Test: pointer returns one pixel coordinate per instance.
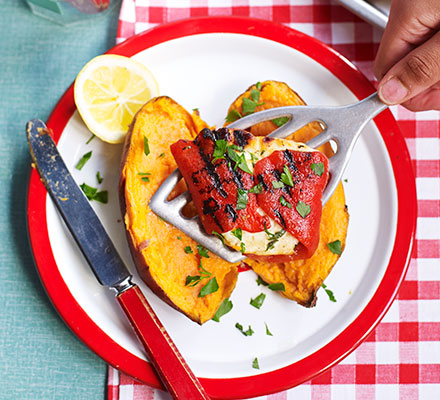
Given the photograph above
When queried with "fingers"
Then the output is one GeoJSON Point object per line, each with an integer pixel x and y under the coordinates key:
{"type": "Point", "coordinates": [409, 25]}
{"type": "Point", "coordinates": [427, 100]}
{"type": "Point", "coordinates": [416, 72]}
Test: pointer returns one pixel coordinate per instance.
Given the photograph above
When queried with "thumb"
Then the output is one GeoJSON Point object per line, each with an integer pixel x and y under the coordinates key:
{"type": "Point", "coordinates": [416, 72]}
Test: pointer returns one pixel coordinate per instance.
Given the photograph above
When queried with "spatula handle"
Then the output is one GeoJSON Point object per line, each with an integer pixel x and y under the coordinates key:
{"type": "Point", "coordinates": [172, 368]}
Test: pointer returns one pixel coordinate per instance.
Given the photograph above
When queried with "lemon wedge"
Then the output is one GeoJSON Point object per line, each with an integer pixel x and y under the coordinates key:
{"type": "Point", "coordinates": [108, 92]}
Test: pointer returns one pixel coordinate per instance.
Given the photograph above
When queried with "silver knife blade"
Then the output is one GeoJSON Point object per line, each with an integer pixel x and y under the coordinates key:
{"type": "Point", "coordinates": [74, 207]}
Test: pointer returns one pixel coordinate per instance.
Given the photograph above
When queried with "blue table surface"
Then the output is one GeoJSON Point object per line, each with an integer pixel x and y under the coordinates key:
{"type": "Point", "coordinates": [40, 358]}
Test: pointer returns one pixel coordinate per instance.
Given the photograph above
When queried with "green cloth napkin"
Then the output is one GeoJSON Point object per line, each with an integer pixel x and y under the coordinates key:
{"type": "Point", "coordinates": [39, 357]}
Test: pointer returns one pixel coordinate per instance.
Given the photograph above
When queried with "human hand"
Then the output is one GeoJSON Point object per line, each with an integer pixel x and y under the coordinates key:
{"type": "Point", "coordinates": [408, 61]}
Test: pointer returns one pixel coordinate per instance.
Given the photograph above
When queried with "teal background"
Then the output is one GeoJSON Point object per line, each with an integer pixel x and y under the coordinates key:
{"type": "Point", "coordinates": [39, 357]}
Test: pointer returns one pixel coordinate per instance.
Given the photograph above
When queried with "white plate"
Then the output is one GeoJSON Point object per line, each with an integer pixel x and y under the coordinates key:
{"type": "Point", "coordinates": [208, 71]}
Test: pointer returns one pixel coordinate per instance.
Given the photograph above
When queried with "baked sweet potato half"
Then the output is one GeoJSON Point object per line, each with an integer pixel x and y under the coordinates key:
{"type": "Point", "coordinates": [301, 278]}
{"type": "Point", "coordinates": [164, 256]}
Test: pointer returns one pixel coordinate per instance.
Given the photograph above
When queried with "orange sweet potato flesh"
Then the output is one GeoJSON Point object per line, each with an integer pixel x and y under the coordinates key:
{"type": "Point", "coordinates": [301, 278]}
{"type": "Point", "coordinates": [156, 246]}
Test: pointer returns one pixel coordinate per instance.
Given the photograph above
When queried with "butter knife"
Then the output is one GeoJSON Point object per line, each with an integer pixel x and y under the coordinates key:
{"type": "Point", "coordinates": [107, 265]}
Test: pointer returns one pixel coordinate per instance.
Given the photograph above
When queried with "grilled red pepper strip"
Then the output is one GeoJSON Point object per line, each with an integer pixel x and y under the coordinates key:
{"type": "Point", "coordinates": [214, 185]}
{"type": "Point", "coordinates": [304, 197]}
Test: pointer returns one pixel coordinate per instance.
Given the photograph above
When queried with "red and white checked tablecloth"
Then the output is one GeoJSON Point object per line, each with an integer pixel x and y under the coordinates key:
{"type": "Point", "coordinates": [401, 358]}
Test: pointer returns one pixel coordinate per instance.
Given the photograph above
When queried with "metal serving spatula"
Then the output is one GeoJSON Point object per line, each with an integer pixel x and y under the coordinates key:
{"type": "Point", "coordinates": [342, 124]}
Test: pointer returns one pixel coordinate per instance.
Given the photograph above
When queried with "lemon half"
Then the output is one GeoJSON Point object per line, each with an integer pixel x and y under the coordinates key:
{"type": "Point", "coordinates": [108, 92]}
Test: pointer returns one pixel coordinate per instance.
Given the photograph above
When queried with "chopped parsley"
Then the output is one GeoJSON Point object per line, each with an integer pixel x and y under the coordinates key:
{"type": "Point", "coordinates": [258, 188]}
{"type": "Point", "coordinates": [303, 209]}
{"type": "Point", "coordinates": [219, 150]}
{"type": "Point", "coordinates": [284, 202]}
{"type": "Point", "coordinates": [224, 308]}
{"type": "Point", "coordinates": [255, 94]}
{"type": "Point", "coordinates": [286, 176]}
{"type": "Point", "coordinates": [146, 146]}
{"type": "Point", "coordinates": [330, 294]}
{"type": "Point", "coordinates": [179, 238]}
{"type": "Point", "coordinates": [248, 332]}
{"type": "Point", "coordinates": [273, 237]}
{"type": "Point", "coordinates": [188, 250]}
{"type": "Point", "coordinates": [99, 178]}
{"type": "Point", "coordinates": [268, 332]}
{"type": "Point", "coordinates": [90, 139]}
{"type": "Point", "coordinates": [93, 194]}
{"type": "Point", "coordinates": [220, 236]}
{"type": "Point", "coordinates": [210, 287]}
{"type": "Point", "coordinates": [84, 159]}
{"type": "Point", "coordinates": [193, 280]}
{"type": "Point", "coordinates": [249, 105]}
{"type": "Point", "coordinates": [346, 180]}
{"type": "Point", "coordinates": [145, 178]}
{"type": "Point", "coordinates": [233, 115]}
{"type": "Point", "coordinates": [161, 155]}
{"type": "Point", "coordinates": [242, 248]}
{"type": "Point", "coordinates": [279, 286]}
{"type": "Point", "coordinates": [242, 199]}
{"type": "Point", "coordinates": [317, 168]}
{"type": "Point", "coordinates": [240, 160]}
{"type": "Point", "coordinates": [280, 121]}
{"type": "Point", "coordinates": [277, 185]}
{"type": "Point", "coordinates": [255, 364]}
{"type": "Point", "coordinates": [258, 301]}
{"type": "Point", "coordinates": [238, 233]}
{"type": "Point", "coordinates": [203, 252]}
{"type": "Point", "coordinates": [258, 85]}
{"type": "Point", "coordinates": [261, 282]}
{"type": "Point", "coordinates": [335, 247]}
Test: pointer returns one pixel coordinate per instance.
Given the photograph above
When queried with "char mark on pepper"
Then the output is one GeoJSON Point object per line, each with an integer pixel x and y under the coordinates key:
{"type": "Point", "coordinates": [241, 138]}
{"type": "Point", "coordinates": [281, 218]}
{"type": "Point", "coordinates": [210, 206]}
{"type": "Point", "coordinates": [229, 210]}
{"type": "Point", "coordinates": [211, 170]}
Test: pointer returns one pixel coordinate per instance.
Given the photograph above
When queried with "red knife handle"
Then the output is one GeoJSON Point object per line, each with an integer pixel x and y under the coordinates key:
{"type": "Point", "coordinates": [172, 368]}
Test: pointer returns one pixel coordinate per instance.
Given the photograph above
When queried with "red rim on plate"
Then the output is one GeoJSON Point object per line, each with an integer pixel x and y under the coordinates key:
{"type": "Point", "coordinates": [314, 364]}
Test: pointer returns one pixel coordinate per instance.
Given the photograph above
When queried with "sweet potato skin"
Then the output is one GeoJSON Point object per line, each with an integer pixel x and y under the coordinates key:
{"type": "Point", "coordinates": [158, 248]}
{"type": "Point", "coordinates": [301, 278]}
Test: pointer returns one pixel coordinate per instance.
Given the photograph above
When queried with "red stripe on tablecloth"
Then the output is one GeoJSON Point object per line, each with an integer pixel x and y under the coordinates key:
{"type": "Point", "coordinates": [428, 208]}
{"type": "Point", "coordinates": [426, 169]}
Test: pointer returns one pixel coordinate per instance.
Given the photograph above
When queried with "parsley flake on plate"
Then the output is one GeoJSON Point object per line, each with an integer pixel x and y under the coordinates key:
{"type": "Point", "coordinates": [83, 160]}
{"type": "Point", "coordinates": [258, 301]}
{"type": "Point", "coordinates": [330, 294]}
{"type": "Point", "coordinates": [249, 332]}
{"type": "Point", "coordinates": [93, 194]}
{"type": "Point", "coordinates": [224, 308]}
{"type": "Point", "coordinates": [255, 364]}
{"type": "Point", "coordinates": [268, 332]}
{"type": "Point", "coordinates": [99, 178]}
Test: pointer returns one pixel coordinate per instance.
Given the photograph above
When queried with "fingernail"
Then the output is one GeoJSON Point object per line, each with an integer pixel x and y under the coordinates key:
{"type": "Point", "coordinates": [393, 91]}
